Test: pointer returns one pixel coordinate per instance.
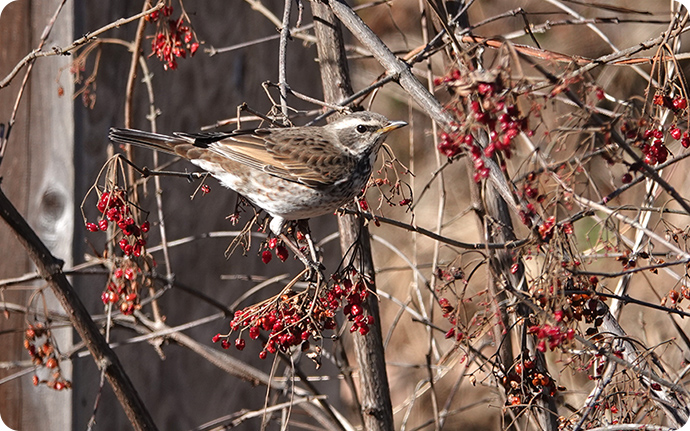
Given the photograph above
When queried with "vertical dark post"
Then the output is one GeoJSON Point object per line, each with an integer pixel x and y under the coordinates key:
{"type": "Point", "coordinates": [376, 408]}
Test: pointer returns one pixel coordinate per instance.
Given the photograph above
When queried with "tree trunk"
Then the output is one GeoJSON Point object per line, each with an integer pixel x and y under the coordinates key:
{"type": "Point", "coordinates": [376, 407]}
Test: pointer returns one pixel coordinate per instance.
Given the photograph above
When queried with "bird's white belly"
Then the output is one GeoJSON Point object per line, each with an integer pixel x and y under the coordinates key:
{"type": "Point", "coordinates": [286, 199]}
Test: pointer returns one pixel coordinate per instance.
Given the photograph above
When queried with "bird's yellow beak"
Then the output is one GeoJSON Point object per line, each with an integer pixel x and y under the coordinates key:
{"type": "Point", "coordinates": [392, 125]}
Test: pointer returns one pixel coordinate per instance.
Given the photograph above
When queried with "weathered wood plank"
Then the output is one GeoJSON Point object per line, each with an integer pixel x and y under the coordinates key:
{"type": "Point", "coordinates": [38, 176]}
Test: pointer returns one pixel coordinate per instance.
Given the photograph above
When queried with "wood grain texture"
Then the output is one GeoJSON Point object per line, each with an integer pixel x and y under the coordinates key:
{"type": "Point", "coordinates": [38, 175]}
{"type": "Point", "coordinates": [14, 44]}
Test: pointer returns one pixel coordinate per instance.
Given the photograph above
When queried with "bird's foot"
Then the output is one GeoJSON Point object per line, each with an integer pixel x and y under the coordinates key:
{"type": "Point", "coordinates": [313, 269]}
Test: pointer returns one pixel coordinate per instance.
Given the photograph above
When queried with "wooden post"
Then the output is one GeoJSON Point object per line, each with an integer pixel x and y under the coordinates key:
{"type": "Point", "coordinates": [38, 175]}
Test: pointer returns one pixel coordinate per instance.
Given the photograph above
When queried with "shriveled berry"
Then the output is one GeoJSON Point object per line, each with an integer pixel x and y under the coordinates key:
{"type": "Point", "coordinates": [282, 253]}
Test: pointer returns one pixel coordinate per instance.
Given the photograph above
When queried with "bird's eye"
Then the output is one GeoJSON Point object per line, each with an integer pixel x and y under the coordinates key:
{"type": "Point", "coordinates": [361, 128]}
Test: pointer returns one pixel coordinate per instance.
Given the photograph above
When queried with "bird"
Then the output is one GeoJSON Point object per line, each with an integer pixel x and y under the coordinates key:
{"type": "Point", "coordinates": [292, 173]}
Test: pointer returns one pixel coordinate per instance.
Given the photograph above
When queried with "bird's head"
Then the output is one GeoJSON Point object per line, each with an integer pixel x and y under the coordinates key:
{"type": "Point", "coordinates": [362, 133]}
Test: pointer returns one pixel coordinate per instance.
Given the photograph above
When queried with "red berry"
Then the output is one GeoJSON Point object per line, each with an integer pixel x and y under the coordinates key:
{"type": "Point", "coordinates": [680, 103]}
{"type": "Point", "coordinates": [272, 243]}
{"type": "Point", "coordinates": [215, 338]}
{"type": "Point", "coordinates": [262, 354]}
{"type": "Point", "coordinates": [92, 227]}
{"type": "Point", "coordinates": [266, 256]}
{"type": "Point", "coordinates": [103, 224]}
{"type": "Point", "coordinates": [627, 178]}
{"type": "Point", "coordinates": [675, 132]}
{"type": "Point", "coordinates": [145, 226]}
{"type": "Point", "coordinates": [282, 253]}
{"type": "Point", "coordinates": [240, 344]}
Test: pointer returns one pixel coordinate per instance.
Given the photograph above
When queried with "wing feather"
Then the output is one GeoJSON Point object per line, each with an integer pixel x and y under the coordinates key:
{"type": "Point", "coordinates": [299, 155]}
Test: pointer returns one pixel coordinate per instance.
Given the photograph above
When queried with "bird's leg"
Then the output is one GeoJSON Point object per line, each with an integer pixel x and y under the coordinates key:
{"type": "Point", "coordinates": [313, 266]}
{"type": "Point", "coordinates": [303, 226]}
{"type": "Point", "coordinates": [276, 225]}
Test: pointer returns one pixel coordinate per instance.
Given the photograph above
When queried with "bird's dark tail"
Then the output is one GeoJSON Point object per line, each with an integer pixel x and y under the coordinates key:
{"type": "Point", "coordinates": [149, 140]}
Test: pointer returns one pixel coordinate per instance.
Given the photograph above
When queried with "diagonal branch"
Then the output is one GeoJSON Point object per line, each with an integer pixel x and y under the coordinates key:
{"type": "Point", "coordinates": [50, 269]}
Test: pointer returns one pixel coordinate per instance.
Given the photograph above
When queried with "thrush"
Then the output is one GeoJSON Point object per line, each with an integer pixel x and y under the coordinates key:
{"type": "Point", "coordinates": [291, 173]}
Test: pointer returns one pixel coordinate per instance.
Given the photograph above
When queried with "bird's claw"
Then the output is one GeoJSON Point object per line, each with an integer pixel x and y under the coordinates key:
{"type": "Point", "coordinates": [313, 271]}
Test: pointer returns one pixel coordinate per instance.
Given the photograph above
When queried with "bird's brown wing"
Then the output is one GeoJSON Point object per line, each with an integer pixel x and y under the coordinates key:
{"type": "Point", "coordinates": [304, 156]}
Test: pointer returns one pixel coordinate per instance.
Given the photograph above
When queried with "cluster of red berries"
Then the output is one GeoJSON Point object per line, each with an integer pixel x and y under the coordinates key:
{"type": "Point", "coordinates": [290, 319]}
{"type": "Point", "coordinates": [656, 152]}
{"type": "Point", "coordinates": [449, 313]}
{"type": "Point", "coordinates": [38, 342]}
{"type": "Point", "coordinates": [126, 279]}
{"type": "Point", "coordinates": [652, 139]}
{"type": "Point", "coordinates": [554, 335]}
{"type": "Point", "coordinates": [546, 228]}
{"type": "Point", "coordinates": [286, 320]}
{"type": "Point", "coordinates": [538, 381]}
{"type": "Point", "coordinates": [173, 38]}
{"type": "Point", "coordinates": [584, 307]}
{"type": "Point", "coordinates": [491, 112]}
{"type": "Point", "coordinates": [279, 249]}
{"type": "Point", "coordinates": [676, 297]}
{"type": "Point", "coordinates": [115, 208]}
{"type": "Point", "coordinates": [530, 192]}
{"type": "Point", "coordinates": [676, 104]}
{"type": "Point", "coordinates": [123, 287]}
{"type": "Point", "coordinates": [353, 296]}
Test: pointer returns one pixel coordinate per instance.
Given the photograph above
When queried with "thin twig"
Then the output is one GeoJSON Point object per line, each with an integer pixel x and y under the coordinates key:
{"type": "Point", "coordinates": [37, 53]}
{"type": "Point", "coordinates": [282, 57]}
{"type": "Point", "coordinates": [4, 137]}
